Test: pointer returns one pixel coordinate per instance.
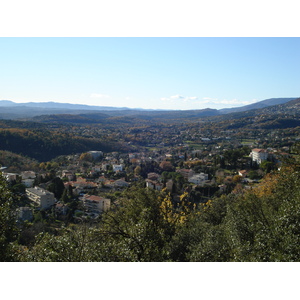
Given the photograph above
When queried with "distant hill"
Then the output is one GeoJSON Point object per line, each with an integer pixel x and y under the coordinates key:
{"type": "Point", "coordinates": [291, 107]}
{"type": "Point", "coordinates": [58, 105]}
{"type": "Point", "coordinates": [286, 115]}
{"type": "Point", "coordinates": [257, 105]}
{"type": "Point", "coordinates": [280, 115]}
{"type": "Point", "coordinates": [12, 110]}
{"type": "Point", "coordinates": [49, 136]}
{"type": "Point", "coordinates": [88, 113]}
{"type": "Point", "coordinates": [128, 117]}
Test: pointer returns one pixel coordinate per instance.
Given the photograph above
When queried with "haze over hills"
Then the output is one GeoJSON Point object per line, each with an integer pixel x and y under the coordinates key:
{"type": "Point", "coordinates": [36, 106]}
{"type": "Point", "coordinates": [12, 110]}
{"type": "Point", "coordinates": [58, 105]}
{"type": "Point", "coordinates": [280, 115]}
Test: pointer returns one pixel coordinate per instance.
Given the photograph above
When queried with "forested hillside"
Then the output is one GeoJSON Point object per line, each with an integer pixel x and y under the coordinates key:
{"type": "Point", "coordinates": [42, 144]}
{"type": "Point", "coordinates": [17, 162]}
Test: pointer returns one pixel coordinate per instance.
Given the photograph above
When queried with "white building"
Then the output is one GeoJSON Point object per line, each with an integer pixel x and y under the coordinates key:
{"type": "Point", "coordinates": [43, 198]}
{"type": "Point", "coordinates": [153, 184]}
{"type": "Point", "coordinates": [117, 168]}
{"type": "Point", "coordinates": [198, 178]}
{"type": "Point", "coordinates": [28, 182]}
{"type": "Point", "coordinates": [11, 176]}
{"type": "Point", "coordinates": [150, 184]}
{"type": "Point", "coordinates": [259, 155]}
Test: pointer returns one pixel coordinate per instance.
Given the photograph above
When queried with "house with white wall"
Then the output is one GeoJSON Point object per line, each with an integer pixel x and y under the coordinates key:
{"type": "Point", "coordinates": [153, 184]}
{"type": "Point", "coordinates": [117, 168]}
{"type": "Point", "coordinates": [95, 204]}
{"type": "Point", "coordinates": [259, 155]}
{"type": "Point", "coordinates": [28, 182]}
{"type": "Point", "coordinates": [198, 178]}
{"type": "Point", "coordinates": [43, 198]}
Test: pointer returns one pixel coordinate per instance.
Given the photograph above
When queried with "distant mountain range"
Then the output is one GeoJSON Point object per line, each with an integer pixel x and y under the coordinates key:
{"type": "Point", "coordinates": [58, 105]}
{"type": "Point", "coordinates": [12, 110]}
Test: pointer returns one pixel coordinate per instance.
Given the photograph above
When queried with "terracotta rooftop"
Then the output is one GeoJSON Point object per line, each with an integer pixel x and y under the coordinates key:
{"type": "Point", "coordinates": [93, 198]}
{"type": "Point", "coordinates": [259, 150]}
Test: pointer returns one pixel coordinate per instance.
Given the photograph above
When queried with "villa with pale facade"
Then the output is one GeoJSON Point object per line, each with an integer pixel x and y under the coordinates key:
{"type": "Point", "coordinates": [259, 155]}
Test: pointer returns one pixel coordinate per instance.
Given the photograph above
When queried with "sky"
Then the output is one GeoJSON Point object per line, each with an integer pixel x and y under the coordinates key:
{"type": "Point", "coordinates": [149, 72]}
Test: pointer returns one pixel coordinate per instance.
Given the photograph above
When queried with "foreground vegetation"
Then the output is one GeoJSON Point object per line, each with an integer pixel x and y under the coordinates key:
{"type": "Point", "coordinates": [262, 224]}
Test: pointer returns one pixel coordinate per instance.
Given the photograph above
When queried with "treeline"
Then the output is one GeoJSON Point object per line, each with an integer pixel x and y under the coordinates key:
{"type": "Point", "coordinates": [44, 145]}
{"type": "Point", "coordinates": [262, 224]}
{"type": "Point", "coordinates": [15, 162]}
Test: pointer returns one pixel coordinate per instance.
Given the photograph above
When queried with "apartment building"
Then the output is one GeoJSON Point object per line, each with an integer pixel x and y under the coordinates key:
{"type": "Point", "coordinates": [95, 204]}
{"type": "Point", "coordinates": [259, 155]}
{"type": "Point", "coordinates": [43, 198]}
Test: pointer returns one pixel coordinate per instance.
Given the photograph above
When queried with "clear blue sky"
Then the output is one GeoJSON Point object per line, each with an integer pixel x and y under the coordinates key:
{"type": "Point", "coordinates": [167, 73]}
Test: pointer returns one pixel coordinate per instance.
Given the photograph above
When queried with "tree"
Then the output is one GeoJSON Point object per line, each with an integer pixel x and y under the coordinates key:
{"type": "Point", "coordinates": [253, 175]}
{"type": "Point", "coordinates": [136, 229]}
{"type": "Point", "coordinates": [18, 188]}
{"type": "Point", "coordinates": [237, 178]}
{"type": "Point", "coordinates": [86, 157]}
{"type": "Point", "coordinates": [64, 198]}
{"type": "Point", "coordinates": [137, 170]}
{"type": "Point", "coordinates": [57, 187]}
{"type": "Point", "coordinates": [263, 224]}
{"type": "Point", "coordinates": [73, 244]}
{"type": "Point", "coordinates": [166, 166]}
{"type": "Point", "coordinates": [267, 166]}
{"type": "Point", "coordinates": [8, 229]}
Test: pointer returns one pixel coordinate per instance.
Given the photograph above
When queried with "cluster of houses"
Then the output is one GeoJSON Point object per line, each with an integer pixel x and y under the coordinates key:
{"type": "Point", "coordinates": [92, 205]}
{"type": "Point", "coordinates": [27, 177]}
{"type": "Point", "coordinates": [95, 205]}
{"type": "Point", "coordinates": [153, 182]}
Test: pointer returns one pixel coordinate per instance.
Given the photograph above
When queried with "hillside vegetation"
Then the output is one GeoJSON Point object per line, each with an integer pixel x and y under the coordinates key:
{"type": "Point", "coordinates": [43, 144]}
{"type": "Point", "coordinates": [262, 224]}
